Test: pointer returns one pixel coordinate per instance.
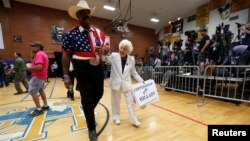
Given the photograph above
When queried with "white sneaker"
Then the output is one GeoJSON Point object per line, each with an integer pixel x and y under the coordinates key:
{"type": "Point", "coordinates": [137, 124]}
{"type": "Point", "coordinates": [117, 121]}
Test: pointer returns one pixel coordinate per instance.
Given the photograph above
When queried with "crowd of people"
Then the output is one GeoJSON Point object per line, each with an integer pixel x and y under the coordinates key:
{"type": "Point", "coordinates": [207, 50]}
{"type": "Point", "coordinates": [217, 50]}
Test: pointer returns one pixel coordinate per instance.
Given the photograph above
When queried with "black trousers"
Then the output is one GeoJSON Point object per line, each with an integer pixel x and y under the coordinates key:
{"type": "Point", "coordinates": [70, 93]}
{"type": "Point", "coordinates": [90, 80]}
{"type": "Point", "coordinates": [72, 77]}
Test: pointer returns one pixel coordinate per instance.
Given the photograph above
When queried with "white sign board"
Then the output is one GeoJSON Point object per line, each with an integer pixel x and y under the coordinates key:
{"type": "Point", "coordinates": [145, 93]}
{"type": "Point", "coordinates": [1, 38]}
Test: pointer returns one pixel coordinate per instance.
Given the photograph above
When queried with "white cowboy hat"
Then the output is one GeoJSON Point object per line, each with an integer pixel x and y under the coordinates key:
{"type": "Point", "coordinates": [81, 5]}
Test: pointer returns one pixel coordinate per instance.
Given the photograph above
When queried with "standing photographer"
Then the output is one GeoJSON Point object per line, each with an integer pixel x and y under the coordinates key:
{"type": "Point", "coordinates": [189, 53]}
{"type": "Point", "coordinates": [203, 48]}
{"type": "Point", "coordinates": [178, 51]}
{"type": "Point", "coordinates": [191, 47]}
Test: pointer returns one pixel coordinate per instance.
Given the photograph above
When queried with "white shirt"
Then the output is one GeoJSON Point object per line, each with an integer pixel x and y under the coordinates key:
{"type": "Point", "coordinates": [157, 62]}
{"type": "Point", "coordinates": [54, 66]}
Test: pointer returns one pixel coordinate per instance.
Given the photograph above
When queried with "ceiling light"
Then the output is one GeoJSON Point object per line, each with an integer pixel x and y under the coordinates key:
{"type": "Point", "coordinates": [169, 22]}
{"type": "Point", "coordinates": [108, 7]}
{"type": "Point", "coordinates": [154, 20]}
{"type": "Point", "coordinates": [179, 18]}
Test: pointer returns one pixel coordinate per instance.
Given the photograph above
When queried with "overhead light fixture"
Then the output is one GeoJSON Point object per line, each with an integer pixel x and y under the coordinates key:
{"type": "Point", "coordinates": [179, 18]}
{"type": "Point", "coordinates": [154, 20]}
{"type": "Point", "coordinates": [170, 22]}
{"type": "Point", "coordinates": [108, 7]}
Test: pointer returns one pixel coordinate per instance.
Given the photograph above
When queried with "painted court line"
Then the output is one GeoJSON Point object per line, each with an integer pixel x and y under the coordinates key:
{"type": "Point", "coordinates": [181, 115]}
{"type": "Point", "coordinates": [51, 93]}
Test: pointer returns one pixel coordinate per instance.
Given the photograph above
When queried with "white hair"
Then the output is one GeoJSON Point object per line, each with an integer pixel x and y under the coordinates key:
{"type": "Point", "coordinates": [127, 43]}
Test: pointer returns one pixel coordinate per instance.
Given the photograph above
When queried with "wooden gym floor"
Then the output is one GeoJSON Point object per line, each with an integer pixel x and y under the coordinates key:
{"type": "Point", "coordinates": [170, 119]}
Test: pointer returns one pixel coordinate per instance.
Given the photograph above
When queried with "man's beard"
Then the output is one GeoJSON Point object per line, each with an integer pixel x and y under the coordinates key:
{"type": "Point", "coordinates": [85, 23]}
{"type": "Point", "coordinates": [86, 17]}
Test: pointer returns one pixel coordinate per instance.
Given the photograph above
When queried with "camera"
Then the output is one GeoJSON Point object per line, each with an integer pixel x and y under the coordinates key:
{"type": "Point", "coordinates": [218, 30]}
{"type": "Point", "coordinates": [223, 27]}
{"type": "Point", "coordinates": [239, 25]}
{"type": "Point", "coordinates": [177, 45]}
{"type": "Point", "coordinates": [192, 35]}
{"type": "Point", "coordinates": [159, 43]}
{"type": "Point", "coordinates": [168, 44]}
{"type": "Point", "coordinates": [226, 28]}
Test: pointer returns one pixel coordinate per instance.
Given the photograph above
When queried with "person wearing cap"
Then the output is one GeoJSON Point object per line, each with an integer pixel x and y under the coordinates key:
{"type": "Point", "coordinates": [203, 48]}
{"type": "Point", "coordinates": [20, 74]}
{"type": "Point", "coordinates": [82, 42]}
{"type": "Point", "coordinates": [39, 69]}
{"type": "Point", "coordinates": [122, 67]}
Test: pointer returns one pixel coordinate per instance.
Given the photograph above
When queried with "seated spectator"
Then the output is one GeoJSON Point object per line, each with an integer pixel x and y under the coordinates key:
{"type": "Point", "coordinates": [141, 62]}
{"type": "Point", "coordinates": [169, 73]}
{"type": "Point", "coordinates": [157, 62]}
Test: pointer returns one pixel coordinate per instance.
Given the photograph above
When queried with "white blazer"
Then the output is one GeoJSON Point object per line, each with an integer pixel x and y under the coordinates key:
{"type": "Point", "coordinates": [119, 80]}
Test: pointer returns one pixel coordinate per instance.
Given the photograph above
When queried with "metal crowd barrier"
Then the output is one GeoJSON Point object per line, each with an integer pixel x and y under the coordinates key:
{"type": "Point", "coordinates": [223, 82]}
{"type": "Point", "coordinates": [179, 78]}
{"type": "Point", "coordinates": [145, 72]}
{"type": "Point", "coordinates": [227, 82]}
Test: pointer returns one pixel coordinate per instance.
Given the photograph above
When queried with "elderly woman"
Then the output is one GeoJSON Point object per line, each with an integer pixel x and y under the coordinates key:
{"type": "Point", "coordinates": [122, 67]}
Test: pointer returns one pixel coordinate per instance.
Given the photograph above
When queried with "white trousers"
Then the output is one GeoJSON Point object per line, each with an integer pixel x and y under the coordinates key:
{"type": "Point", "coordinates": [115, 103]}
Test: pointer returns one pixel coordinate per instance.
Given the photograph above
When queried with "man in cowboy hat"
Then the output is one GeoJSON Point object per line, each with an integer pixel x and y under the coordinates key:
{"type": "Point", "coordinates": [80, 45]}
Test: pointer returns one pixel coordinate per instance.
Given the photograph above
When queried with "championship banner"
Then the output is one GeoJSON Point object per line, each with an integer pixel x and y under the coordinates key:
{"type": "Point", "coordinates": [145, 93]}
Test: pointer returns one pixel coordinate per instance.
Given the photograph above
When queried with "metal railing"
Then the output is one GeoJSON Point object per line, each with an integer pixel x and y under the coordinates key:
{"type": "Point", "coordinates": [145, 72]}
{"type": "Point", "coordinates": [227, 82]}
{"type": "Point", "coordinates": [223, 82]}
{"type": "Point", "coordinates": [179, 78]}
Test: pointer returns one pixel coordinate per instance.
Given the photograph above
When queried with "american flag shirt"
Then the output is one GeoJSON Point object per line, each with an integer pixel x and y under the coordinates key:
{"type": "Point", "coordinates": [81, 42]}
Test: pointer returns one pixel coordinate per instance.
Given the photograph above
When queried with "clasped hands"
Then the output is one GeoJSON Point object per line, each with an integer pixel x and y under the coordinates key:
{"type": "Point", "coordinates": [102, 50]}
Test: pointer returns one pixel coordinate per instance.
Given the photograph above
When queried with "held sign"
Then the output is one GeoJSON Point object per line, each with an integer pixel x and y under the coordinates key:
{"type": "Point", "coordinates": [145, 93]}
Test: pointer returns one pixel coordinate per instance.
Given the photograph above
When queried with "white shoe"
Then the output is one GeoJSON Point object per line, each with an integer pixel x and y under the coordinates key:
{"type": "Point", "coordinates": [137, 124]}
{"type": "Point", "coordinates": [117, 121]}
